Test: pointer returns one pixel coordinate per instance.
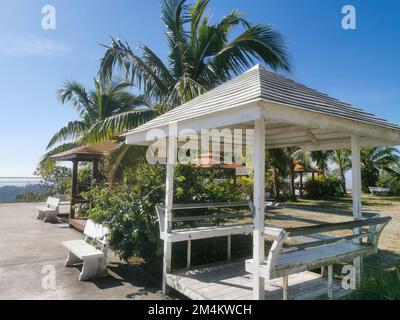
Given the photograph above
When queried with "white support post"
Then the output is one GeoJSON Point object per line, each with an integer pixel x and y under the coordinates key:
{"type": "Point", "coordinates": [285, 287]}
{"type": "Point", "coordinates": [330, 282]}
{"type": "Point", "coordinates": [356, 191]}
{"type": "Point", "coordinates": [169, 197]}
{"type": "Point", "coordinates": [189, 254]}
{"type": "Point", "coordinates": [258, 220]}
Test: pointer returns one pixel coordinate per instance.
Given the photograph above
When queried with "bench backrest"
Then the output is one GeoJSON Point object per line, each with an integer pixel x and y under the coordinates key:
{"type": "Point", "coordinates": [97, 232]}
{"type": "Point", "coordinates": [52, 202]}
{"type": "Point", "coordinates": [161, 218]}
{"type": "Point", "coordinates": [378, 189]}
{"type": "Point", "coordinates": [368, 229]}
{"type": "Point", "coordinates": [160, 209]}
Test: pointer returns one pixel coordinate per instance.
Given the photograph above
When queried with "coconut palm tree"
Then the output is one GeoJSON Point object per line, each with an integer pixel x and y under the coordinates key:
{"type": "Point", "coordinates": [375, 161]}
{"type": "Point", "coordinates": [201, 55]}
{"type": "Point", "coordinates": [282, 162]}
{"type": "Point", "coordinates": [321, 158]}
{"type": "Point", "coordinates": [342, 158]}
{"type": "Point", "coordinates": [104, 113]}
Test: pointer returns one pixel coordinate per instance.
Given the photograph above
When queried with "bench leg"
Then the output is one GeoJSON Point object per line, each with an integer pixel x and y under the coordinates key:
{"type": "Point", "coordinates": [41, 215]}
{"type": "Point", "coordinates": [285, 287]}
{"type": "Point", "coordinates": [50, 216]}
{"type": "Point", "coordinates": [330, 282]}
{"type": "Point", "coordinates": [89, 270]}
{"type": "Point", "coordinates": [102, 271]}
{"type": "Point", "coordinates": [166, 265]}
{"type": "Point", "coordinates": [229, 246]}
{"type": "Point", "coordinates": [357, 263]}
{"type": "Point", "coordinates": [189, 254]}
{"type": "Point", "coordinates": [71, 260]}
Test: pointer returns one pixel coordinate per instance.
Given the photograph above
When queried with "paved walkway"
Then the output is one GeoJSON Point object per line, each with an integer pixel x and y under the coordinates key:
{"type": "Point", "coordinates": [31, 250]}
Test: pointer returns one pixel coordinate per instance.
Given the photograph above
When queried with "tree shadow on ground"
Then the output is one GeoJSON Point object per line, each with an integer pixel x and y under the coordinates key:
{"type": "Point", "coordinates": [105, 282]}
{"type": "Point", "coordinates": [137, 277]}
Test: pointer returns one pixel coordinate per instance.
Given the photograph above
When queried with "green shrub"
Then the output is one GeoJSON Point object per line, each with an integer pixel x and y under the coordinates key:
{"type": "Point", "coordinates": [388, 181]}
{"type": "Point", "coordinates": [382, 285]}
{"type": "Point", "coordinates": [129, 211]}
{"type": "Point", "coordinates": [323, 186]}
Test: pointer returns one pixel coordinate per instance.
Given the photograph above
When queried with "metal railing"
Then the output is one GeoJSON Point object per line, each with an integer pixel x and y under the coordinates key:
{"type": "Point", "coordinates": [25, 189]}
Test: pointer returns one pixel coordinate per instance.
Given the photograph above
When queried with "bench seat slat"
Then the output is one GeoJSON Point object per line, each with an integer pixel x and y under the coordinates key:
{"type": "Point", "coordinates": [82, 250]}
{"type": "Point", "coordinates": [327, 252]}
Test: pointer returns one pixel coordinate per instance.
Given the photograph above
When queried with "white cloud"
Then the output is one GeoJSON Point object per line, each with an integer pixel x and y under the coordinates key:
{"type": "Point", "coordinates": [22, 45]}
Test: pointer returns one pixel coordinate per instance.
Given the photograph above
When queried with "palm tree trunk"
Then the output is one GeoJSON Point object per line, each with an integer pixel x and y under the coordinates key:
{"type": "Point", "coordinates": [343, 177]}
{"type": "Point", "coordinates": [292, 183]}
{"type": "Point", "coordinates": [275, 185]}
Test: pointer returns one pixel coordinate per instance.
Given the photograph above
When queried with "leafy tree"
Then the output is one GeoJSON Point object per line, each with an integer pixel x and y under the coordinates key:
{"type": "Point", "coordinates": [321, 158]}
{"type": "Point", "coordinates": [375, 161]}
{"type": "Point", "coordinates": [342, 158]}
{"type": "Point", "coordinates": [281, 161]}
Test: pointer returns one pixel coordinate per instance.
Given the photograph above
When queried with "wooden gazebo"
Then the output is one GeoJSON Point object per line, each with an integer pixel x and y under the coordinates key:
{"type": "Point", "coordinates": [93, 154]}
{"type": "Point", "coordinates": [300, 169]}
{"type": "Point", "coordinates": [215, 161]}
{"type": "Point", "coordinates": [280, 113]}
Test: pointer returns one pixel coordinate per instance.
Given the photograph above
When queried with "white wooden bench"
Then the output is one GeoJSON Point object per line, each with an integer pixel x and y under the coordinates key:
{"type": "Point", "coordinates": [273, 205]}
{"type": "Point", "coordinates": [48, 213]}
{"type": "Point", "coordinates": [375, 190]}
{"type": "Point", "coordinates": [92, 252]}
{"type": "Point", "coordinates": [286, 259]}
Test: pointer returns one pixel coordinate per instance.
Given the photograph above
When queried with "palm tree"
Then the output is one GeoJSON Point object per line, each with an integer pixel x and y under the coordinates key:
{"type": "Point", "coordinates": [201, 55]}
{"type": "Point", "coordinates": [104, 113]}
{"type": "Point", "coordinates": [282, 161]}
{"type": "Point", "coordinates": [342, 158]}
{"type": "Point", "coordinates": [375, 161]}
{"type": "Point", "coordinates": [321, 159]}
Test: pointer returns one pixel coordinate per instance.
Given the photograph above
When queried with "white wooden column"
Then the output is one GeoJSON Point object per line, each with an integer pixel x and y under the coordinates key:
{"type": "Point", "coordinates": [258, 220]}
{"type": "Point", "coordinates": [169, 197]}
{"type": "Point", "coordinates": [356, 192]}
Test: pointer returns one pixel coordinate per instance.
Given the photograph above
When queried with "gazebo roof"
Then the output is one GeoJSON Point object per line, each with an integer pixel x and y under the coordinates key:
{"type": "Point", "coordinates": [205, 161]}
{"type": "Point", "coordinates": [86, 153]}
{"type": "Point", "coordinates": [295, 114]}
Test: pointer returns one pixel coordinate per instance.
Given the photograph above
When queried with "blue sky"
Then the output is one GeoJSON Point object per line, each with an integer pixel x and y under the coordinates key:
{"type": "Point", "coordinates": [358, 66]}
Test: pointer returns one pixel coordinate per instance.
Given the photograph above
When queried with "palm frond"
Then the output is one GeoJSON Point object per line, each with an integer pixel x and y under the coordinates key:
{"type": "Point", "coordinates": [72, 130]}
{"type": "Point", "coordinates": [46, 165]}
{"type": "Point", "coordinates": [75, 93]}
{"type": "Point", "coordinates": [111, 127]}
{"type": "Point", "coordinates": [174, 14]}
{"type": "Point", "coordinates": [259, 42]}
{"type": "Point", "coordinates": [124, 157]}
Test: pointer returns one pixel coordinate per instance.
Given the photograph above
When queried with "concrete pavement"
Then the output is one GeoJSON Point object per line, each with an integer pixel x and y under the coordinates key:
{"type": "Point", "coordinates": [31, 252]}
